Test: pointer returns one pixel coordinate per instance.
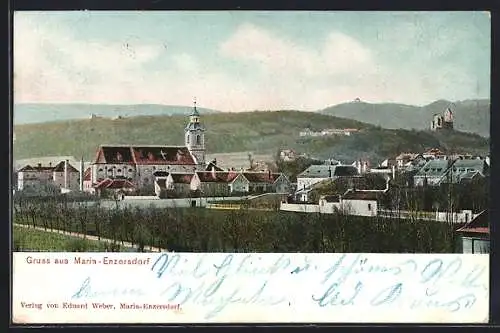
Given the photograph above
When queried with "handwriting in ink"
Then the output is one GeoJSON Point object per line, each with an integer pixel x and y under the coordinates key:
{"type": "Point", "coordinates": [334, 295]}
{"type": "Point", "coordinates": [218, 295]}
{"type": "Point", "coordinates": [250, 266]}
{"type": "Point", "coordinates": [86, 291]}
{"type": "Point", "coordinates": [170, 265]}
{"type": "Point", "coordinates": [387, 295]}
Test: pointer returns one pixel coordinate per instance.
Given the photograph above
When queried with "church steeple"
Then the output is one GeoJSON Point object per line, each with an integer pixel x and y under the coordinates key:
{"type": "Point", "coordinates": [195, 136]}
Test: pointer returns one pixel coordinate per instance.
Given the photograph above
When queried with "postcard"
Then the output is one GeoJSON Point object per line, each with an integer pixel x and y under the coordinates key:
{"type": "Point", "coordinates": [250, 167]}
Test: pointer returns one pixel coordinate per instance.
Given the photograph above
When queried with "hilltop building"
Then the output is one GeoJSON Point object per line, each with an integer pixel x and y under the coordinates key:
{"type": "Point", "coordinates": [442, 121]}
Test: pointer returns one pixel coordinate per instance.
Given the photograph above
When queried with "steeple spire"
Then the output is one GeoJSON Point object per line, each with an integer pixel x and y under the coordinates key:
{"type": "Point", "coordinates": [195, 111]}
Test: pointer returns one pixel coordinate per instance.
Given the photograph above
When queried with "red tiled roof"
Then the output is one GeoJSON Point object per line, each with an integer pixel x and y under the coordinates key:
{"type": "Point", "coordinates": [163, 155]}
{"type": "Point", "coordinates": [114, 184]}
{"type": "Point", "coordinates": [261, 177]}
{"type": "Point", "coordinates": [216, 177]}
{"type": "Point", "coordinates": [112, 154]}
{"type": "Point", "coordinates": [157, 155]}
{"type": "Point", "coordinates": [480, 224]}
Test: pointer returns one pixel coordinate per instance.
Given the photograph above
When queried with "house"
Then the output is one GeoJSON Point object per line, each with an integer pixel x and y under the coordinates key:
{"type": "Point", "coordinates": [168, 185]}
{"type": "Point", "coordinates": [434, 153]}
{"type": "Point", "coordinates": [54, 178]}
{"type": "Point", "coordinates": [329, 204]}
{"type": "Point", "coordinates": [475, 235]}
{"type": "Point", "coordinates": [288, 155]}
{"type": "Point", "coordinates": [404, 158]}
{"type": "Point", "coordinates": [468, 169]}
{"type": "Point", "coordinates": [265, 182]}
{"type": "Point", "coordinates": [317, 173]}
{"type": "Point", "coordinates": [433, 173]}
{"type": "Point", "coordinates": [360, 203]}
{"type": "Point", "coordinates": [213, 183]}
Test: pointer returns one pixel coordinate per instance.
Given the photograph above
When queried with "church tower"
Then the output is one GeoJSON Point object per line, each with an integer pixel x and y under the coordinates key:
{"type": "Point", "coordinates": [195, 136]}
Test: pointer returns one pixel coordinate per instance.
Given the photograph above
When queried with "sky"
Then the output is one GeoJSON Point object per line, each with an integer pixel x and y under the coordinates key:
{"type": "Point", "coordinates": [250, 60]}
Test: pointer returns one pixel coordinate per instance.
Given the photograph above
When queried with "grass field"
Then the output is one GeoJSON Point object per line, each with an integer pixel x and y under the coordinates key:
{"type": "Point", "coordinates": [25, 239]}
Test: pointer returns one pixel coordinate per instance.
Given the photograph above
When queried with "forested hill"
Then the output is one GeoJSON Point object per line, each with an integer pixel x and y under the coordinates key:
{"type": "Point", "coordinates": [258, 132]}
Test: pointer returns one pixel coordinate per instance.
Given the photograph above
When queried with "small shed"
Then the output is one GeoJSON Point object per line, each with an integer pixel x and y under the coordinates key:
{"type": "Point", "coordinates": [475, 235]}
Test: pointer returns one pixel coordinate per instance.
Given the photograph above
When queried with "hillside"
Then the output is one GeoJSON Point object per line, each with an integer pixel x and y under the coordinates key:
{"type": "Point", "coordinates": [470, 116]}
{"type": "Point", "coordinates": [258, 132]}
{"type": "Point", "coordinates": [30, 113]}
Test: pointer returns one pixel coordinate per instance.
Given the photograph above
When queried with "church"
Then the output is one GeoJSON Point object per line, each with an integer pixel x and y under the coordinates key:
{"type": "Point", "coordinates": [134, 166]}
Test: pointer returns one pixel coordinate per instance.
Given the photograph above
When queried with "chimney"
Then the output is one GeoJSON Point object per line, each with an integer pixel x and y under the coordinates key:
{"type": "Point", "coordinates": [81, 174]}
{"type": "Point", "coordinates": [329, 172]}
{"type": "Point", "coordinates": [215, 161]}
{"type": "Point", "coordinates": [393, 172]}
{"type": "Point", "coordinates": [39, 165]}
{"type": "Point", "coordinates": [358, 166]}
{"type": "Point", "coordinates": [66, 162]}
{"type": "Point", "coordinates": [50, 164]}
{"type": "Point", "coordinates": [269, 172]}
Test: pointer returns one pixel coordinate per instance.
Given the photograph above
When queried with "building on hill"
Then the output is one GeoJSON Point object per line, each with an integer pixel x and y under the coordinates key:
{"type": "Point", "coordinates": [442, 121]}
{"type": "Point", "coordinates": [60, 177]}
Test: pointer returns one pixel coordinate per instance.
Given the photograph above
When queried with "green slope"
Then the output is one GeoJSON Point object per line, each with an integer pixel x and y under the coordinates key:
{"type": "Point", "coordinates": [470, 115]}
{"type": "Point", "coordinates": [259, 132]}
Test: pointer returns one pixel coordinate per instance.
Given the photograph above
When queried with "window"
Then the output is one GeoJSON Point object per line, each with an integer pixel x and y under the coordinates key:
{"type": "Point", "coordinates": [100, 169]}
{"type": "Point", "coordinates": [198, 139]}
{"type": "Point", "coordinates": [369, 206]}
{"type": "Point", "coordinates": [119, 170]}
{"type": "Point", "coordinates": [130, 170]}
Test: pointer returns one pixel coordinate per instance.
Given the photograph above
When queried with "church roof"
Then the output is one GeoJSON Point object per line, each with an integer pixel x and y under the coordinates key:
{"type": "Point", "coordinates": [144, 155]}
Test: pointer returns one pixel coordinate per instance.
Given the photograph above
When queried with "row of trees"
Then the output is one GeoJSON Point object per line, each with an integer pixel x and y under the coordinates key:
{"type": "Point", "coordinates": [205, 230]}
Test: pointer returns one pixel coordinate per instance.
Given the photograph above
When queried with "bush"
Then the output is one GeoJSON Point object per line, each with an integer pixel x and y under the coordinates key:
{"type": "Point", "coordinates": [77, 245]}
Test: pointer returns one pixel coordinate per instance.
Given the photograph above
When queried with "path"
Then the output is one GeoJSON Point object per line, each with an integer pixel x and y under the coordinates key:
{"type": "Point", "coordinates": [90, 237]}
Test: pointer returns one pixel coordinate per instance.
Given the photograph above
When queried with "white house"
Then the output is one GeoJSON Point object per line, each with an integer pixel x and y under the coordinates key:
{"type": "Point", "coordinates": [361, 203]}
